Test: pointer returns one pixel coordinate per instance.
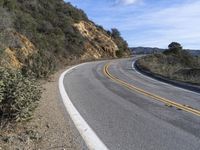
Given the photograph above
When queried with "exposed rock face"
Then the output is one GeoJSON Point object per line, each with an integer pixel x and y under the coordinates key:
{"type": "Point", "coordinates": [18, 47]}
{"type": "Point", "coordinates": [10, 59]}
{"type": "Point", "coordinates": [61, 33]}
{"type": "Point", "coordinates": [15, 50]}
{"type": "Point", "coordinates": [98, 44]}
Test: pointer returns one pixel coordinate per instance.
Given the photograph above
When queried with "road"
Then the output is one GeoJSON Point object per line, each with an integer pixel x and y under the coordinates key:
{"type": "Point", "coordinates": [127, 119]}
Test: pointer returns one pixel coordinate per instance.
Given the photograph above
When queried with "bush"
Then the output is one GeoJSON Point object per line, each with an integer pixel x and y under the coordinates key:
{"type": "Point", "coordinates": [10, 4]}
{"type": "Point", "coordinates": [173, 48]}
{"type": "Point", "coordinates": [40, 65]}
{"type": "Point", "coordinates": [120, 42]}
{"type": "Point", "coordinates": [5, 19]}
{"type": "Point", "coordinates": [18, 96]}
{"type": "Point", "coordinates": [119, 53]}
{"type": "Point", "coordinates": [2, 89]}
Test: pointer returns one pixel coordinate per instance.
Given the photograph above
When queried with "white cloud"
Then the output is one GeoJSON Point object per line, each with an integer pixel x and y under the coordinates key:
{"type": "Point", "coordinates": [158, 27]}
{"type": "Point", "coordinates": [126, 2]}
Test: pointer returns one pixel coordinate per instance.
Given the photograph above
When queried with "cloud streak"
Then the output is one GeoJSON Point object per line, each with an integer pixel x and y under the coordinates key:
{"type": "Point", "coordinates": [177, 23]}
{"type": "Point", "coordinates": [126, 2]}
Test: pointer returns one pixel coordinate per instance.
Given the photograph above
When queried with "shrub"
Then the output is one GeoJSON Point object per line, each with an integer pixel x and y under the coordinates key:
{"type": "Point", "coordinates": [174, 45]}
{"type": "Point", "coordinates": [5, 19]}
{"type": "Point", "coordinates": [120, 42]}
{"type": "Point", "coordinates": [39, 65]}
{"type": "Point", "coordinates": [119, 53]}
{"type": "Point", "coordinates": [173, 48]}
{"type": "Point", "coordinates": [2, 89]}
{"type": "Point", "coordinates": [18, 96]}
{"type": "Point", "coordinates": [10, 4]}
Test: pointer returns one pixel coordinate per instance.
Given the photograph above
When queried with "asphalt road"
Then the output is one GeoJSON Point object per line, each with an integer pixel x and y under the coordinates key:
{"type": "Point", "coordinates": [126, 119]}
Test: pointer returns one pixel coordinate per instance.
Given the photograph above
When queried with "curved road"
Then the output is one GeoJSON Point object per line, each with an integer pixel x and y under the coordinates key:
{"type": "Point", "coordinates": [127, 119]}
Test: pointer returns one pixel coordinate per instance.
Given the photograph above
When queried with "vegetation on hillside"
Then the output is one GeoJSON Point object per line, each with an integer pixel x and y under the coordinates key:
{"type": "Point", "coordinates": [121, 43]}
{"type": "Point", "coordinates": [174, 63]}
{"type": "Point", "coordinates": [48, 24]}
{"type": "Point", "coordinates": [36, 37]}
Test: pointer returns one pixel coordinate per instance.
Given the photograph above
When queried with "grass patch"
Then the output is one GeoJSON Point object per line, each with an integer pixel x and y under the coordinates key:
{"type": "Point", "coordinates": [177, 65]}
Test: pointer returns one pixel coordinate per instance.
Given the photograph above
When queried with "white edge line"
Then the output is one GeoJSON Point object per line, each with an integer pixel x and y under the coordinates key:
{"type": "Point", "coordinates": [89, 136]}
{"type": "Point", "coordinates": [133, 64]}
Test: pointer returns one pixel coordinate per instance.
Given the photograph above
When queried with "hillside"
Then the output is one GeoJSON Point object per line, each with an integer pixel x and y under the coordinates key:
{"type": "Point", "coordinates": [173, 63]}
{"type": "Point", "coordinates": [151, 50]}
{"type": "Point", "coordinates": [38, 36]}
{"type": "Point", "coordinates": [145, 50]}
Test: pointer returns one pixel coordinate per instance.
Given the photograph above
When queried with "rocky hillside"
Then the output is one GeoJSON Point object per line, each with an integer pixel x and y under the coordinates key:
{"type": "Point", "coordinates": [99, 44]}
{"type": "Point", "coordinates": [11, 55]}
{"type": "Point", "coordinates": [37, 36]}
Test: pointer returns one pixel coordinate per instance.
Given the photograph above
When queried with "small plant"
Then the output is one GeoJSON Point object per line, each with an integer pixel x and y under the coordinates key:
{"type": "Point", "coordinates": [39, 65]}
{"type": "Point", "coordinates": [18, 96]}
{"type": "Point", "coordinates": [10, 4]}
{"type": "Point", "coordinates": [119, 53]}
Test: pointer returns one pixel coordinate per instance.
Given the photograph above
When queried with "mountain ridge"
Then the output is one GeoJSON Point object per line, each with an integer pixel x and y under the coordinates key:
{"type": "Point", "coordinates": [150, 50]}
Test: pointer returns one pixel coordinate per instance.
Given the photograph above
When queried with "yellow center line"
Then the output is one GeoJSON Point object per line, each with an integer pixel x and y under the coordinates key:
{"type": "Point", "coordinates": [143, 92]}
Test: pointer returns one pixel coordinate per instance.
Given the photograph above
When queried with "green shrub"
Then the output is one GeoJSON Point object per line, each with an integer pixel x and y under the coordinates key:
{"type": "Point", "coordinates": [119, 53]}
{"type": "Point", "coordinates": [120, 42]}
{"type": "Point", "coordinates": [10, 4]}
{"type": "Point", "coordinates": [18, 96]}
{"type": "Point", "coordinates": [2, 89]}
{"type": "Point", "coordinates": [40, 65]}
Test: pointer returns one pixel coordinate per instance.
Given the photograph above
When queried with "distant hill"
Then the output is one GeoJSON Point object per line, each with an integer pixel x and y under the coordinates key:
{"type": "Point", "coordinates": [194, 52]}
{"type": "Point", "coordinates": [151, 50]}
{"type": "Point", "coordinates": [146, 50]}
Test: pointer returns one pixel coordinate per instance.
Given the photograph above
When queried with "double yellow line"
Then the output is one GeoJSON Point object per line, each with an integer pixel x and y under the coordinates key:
{"type": "Point", "coordinates": [153, 96]}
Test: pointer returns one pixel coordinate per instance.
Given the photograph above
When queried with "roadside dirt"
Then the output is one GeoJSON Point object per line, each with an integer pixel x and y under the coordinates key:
{"type": "Point", "coordinates": [50, 129]}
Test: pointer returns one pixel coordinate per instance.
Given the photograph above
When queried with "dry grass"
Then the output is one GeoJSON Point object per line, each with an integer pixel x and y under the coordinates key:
{"type": "Point", "coordinates": [172, 67]}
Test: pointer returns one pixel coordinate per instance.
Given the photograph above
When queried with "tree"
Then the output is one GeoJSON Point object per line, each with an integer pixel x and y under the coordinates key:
{"type": "Point", "coordinates": [115, 33]}
{"type": "Point", "coordinates": [109, 33]}
{"type": "Point", "coordinates": [120, 42]}
{"type": "Point", "coordinates": [175, 46]}
{"type": "Point", "coordinates": [182, 56]}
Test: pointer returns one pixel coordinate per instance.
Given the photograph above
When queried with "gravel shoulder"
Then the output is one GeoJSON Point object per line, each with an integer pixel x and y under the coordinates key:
{"type": "Point", "coordinates": [50, 128]}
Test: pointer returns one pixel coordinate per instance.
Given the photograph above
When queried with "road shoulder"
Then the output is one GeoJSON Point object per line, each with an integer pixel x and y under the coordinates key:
{"type": "Point", "coordinates": [50, 128]}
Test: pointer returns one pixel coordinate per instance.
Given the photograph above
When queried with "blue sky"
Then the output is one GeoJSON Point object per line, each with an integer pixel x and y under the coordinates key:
{"type": "Point", "coordinates": [153, 23]}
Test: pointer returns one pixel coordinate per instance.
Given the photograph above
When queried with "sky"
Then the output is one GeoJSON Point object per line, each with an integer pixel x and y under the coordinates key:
{"type": "Point", "coordinates": [153, 23]}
